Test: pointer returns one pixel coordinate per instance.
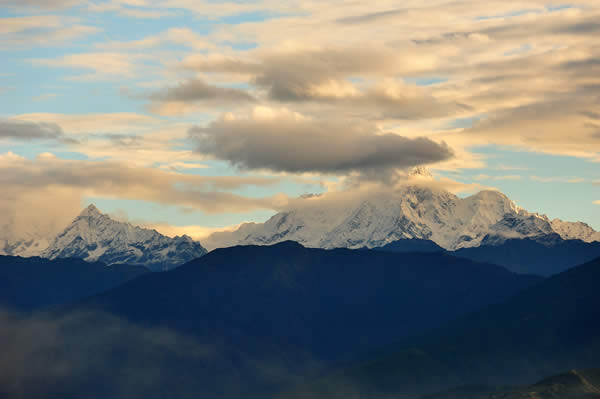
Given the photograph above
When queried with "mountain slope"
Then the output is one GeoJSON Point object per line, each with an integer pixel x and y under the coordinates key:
{"type": "Point", "coordinates": [33, 283]}
{"type": "Point", "coordinates": [416, 211]}
{"type": "Point", "coordinates": [534, 256]}
{"type": "Point", "coordinates": [544, 329]}
{"type": "Point", "coordinates": [330, 290]}
{"type": "Point", "coordinates": [543, 255]}
{"type": "Point", "coordinates": [575, 384]}
{"type": "Point", "coordinates": [412, 245]}
{"type": "Point", "coordinates": [23, 246]}
{"type": "Point", "coordinates": [270, 314]}
{"type": "Point", "coordinates": [93, 236]}
{"type": "Point", "coordinates": [14, 242]}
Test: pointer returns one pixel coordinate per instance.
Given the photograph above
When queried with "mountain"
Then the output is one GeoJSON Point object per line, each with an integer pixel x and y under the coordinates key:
{"type": "Point", "coordinates": [575, 231]}
{"type": "Point", "coordinates": [542, 255]}
{"type": "Point", "coordinates": [14, 242]}
{"type": "Point", "coordinates": [332, 299]}
{"type": "Point", "coordinates": [411, 245]}
{"type": "Point", "coordinates": [250, 319]}
{"type": "Point", "coordinates": [574, 384]}
{"type": "Point", "coordinates": [413, 211]}
{"type": "Point", "coordinates": [546, 328]}
{"type": "Point", "coordinates": [94, 236]}
{"type": "Point", "coordinates": [28, 284]}
{"type": "Point", "coordinates": [33, 246]}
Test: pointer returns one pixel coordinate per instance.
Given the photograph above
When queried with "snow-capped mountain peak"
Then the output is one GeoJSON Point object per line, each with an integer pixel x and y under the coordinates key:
{"type": "Point", "coordinates": [413, 211]}
{"type": "Point", "coordinates": [94, 236]}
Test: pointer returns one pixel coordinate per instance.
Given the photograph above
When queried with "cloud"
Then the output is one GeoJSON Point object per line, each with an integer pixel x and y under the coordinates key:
{"type": "Point", "coordinates": [180, 36]}
{"type": "Point", "coordinates": [370, 17]}
{"type": "Point", "coordinates": [44, 97]}
{"type": "Point", "coordinates": [41, 196]}
{"type": "Point", "coordinates": [119, 122]}
{"type": "Point", "coordinates": [511, 167]}
{"type": "Point", "coordinates": [104, 65]}
{"type": "Point", "coordinates": [526, 78]}
{"type": "Point", "coordinates": [146, 14]}
{"type": "Point", "coordinates": [41, 30]}
{"type": "Point", "coordinates": [20, 24]}
{"type": "Point", "coordinates": [292, 75]}
{"type": "Point", "coordinates": [198, 90]}
{"type": "Point", "coordinates": [131, 8]}
{"type": "Point", "coordinates": [213, 10]}
{"type": "Point", "coordinates": [119, 179]}
{"type": "Point", "coordinates": [198, 233]}
{"type": "Point", "coordinates": [69, 354]}
{"type": "Point", "coordinates": [27, 131]}
{"type": "Point", "coordinates": [134, 138]}
{"type": "Point", "coordinates": [327, 76]}
{"type": "Point", "coordinates": [305, 74]}
{"type": "Point", "coordinates": [281, 140]}
{"type": "Point", "coordinates": [557, 179]}
{"type": "Point", "coordinates": [44, 4]}
{"type": "Point", "coordinates": [526, 61]}
{"type": "Point", "coordinates": [72, 354]}
{"type": "Point", "coordinates": [182, 166]}
{"type": "Point", "coordinates": [181, 98]}
{"type": "Point", "coordinates": [488, 177]}
{"type": "Point", "coordinates": [560, 124]}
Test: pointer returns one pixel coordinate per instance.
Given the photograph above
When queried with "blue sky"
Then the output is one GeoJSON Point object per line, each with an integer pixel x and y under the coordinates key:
{"type": "Point", "coordinates": [167, 91]}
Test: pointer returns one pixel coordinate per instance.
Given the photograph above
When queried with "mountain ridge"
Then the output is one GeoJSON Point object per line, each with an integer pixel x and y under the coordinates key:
{"type": "Point", "coordinates": [308, 308]}
{"type": "Point", "coordinates": [94, 236]}
{"type": "Point", "coordinates": [34, 283]}
{"type": "Point", "coordinates": [546, 328]}
{"type": "Point", "coordinates": [415, 211]}
{"type": "Point", "coordinates": [574, 384]}
{"type": "Point", "coordinates": [542, 255]}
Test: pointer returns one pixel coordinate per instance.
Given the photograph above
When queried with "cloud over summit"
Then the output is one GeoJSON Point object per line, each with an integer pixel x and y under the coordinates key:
{"type": "Point", "coordinates": [284, 141]}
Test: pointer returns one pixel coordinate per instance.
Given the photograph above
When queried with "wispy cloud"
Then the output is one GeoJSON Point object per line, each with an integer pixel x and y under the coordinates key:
{"type": "Point", "coordinates": [181, 36]}
{"type": "Point", "coordinates": [44, 97]}
{"type": "Point", "coordinates": [43, 4]}
{"type": "Point", "coordinates": [47, 191]}
{"type": "Point", "coordinates": [498, 178]}
{"type": "Point", "coordinates": [558, 179]}
{"type": "Point", "coordinates": [104, 65]}
{"type": "Point", "coordinates": [196, 232]}
{"type": "Point", "coordinates": [41, 30]}
{"type": "Point", "coordinates": [119, 122]}
{"type": "Point", "coordinates": [183, 97]}
{"type": "Point", "coordinates": [511, 167]}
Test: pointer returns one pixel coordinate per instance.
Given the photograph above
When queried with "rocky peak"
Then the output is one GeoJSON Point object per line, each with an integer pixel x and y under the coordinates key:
{"type": "Point", "coordinates": [91, 211]}
{"type": "Point", "coordinates": [94, 236]}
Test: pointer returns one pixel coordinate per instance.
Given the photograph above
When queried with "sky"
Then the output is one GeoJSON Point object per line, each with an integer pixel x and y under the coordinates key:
{"type": "Point", "coordinates": [196, 116]}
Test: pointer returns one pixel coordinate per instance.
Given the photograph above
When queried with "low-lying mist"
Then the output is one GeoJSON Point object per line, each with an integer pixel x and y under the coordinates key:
{"type": "Point", "coordinates": [97, 355]}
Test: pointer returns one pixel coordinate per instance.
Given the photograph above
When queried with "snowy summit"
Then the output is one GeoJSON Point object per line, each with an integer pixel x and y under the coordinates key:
{"type": "Point", "coordinates": [94, 236]}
